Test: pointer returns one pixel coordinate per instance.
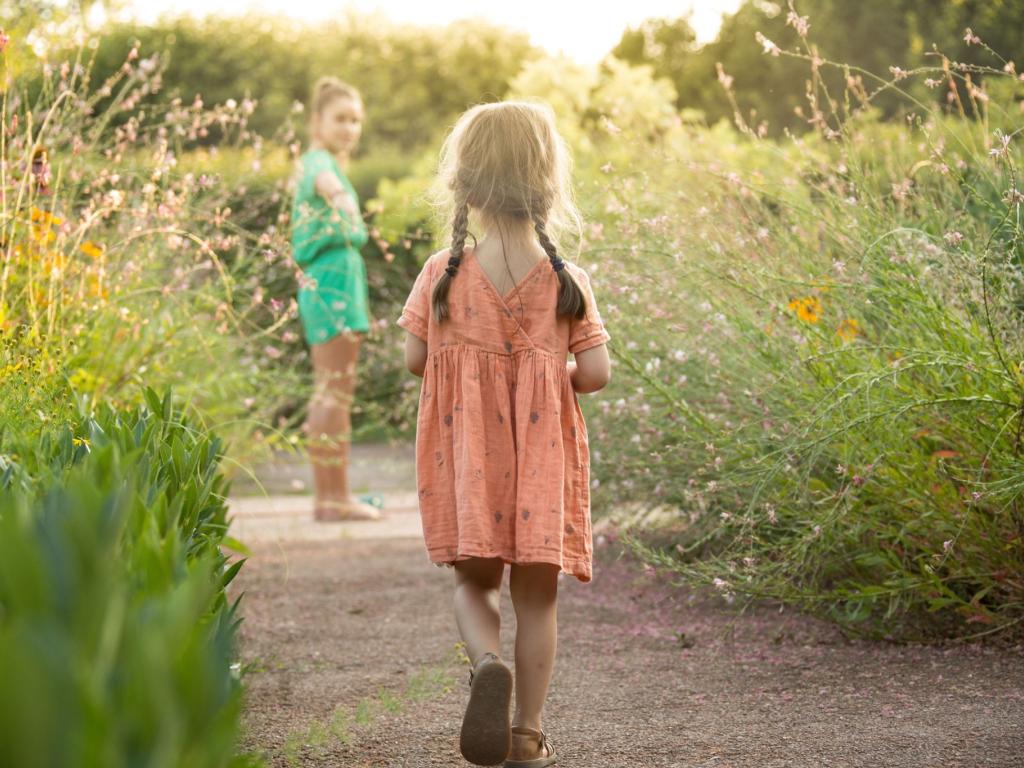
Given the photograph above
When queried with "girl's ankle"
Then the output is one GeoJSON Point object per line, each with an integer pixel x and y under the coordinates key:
{"type": "Point", "coordinates": [526, 743]}
{"type": "Point", "coordinates": [526, 725]}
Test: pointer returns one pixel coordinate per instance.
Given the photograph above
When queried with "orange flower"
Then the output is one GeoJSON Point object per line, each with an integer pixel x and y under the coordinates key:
{"type": "Point", "coordinates": [92, 250]}
{"type": "Point", "coordinates": [808, 309]}
{"type": "Point", "coordinates": [42, 235]}
{"type": "Point", "coordinates": [38, 215]}
{"type": "Point", "coordinates": [848, 330]}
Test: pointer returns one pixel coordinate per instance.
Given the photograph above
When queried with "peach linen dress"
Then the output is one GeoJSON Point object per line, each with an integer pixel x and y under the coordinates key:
{"type": "Point", "coordinates": [502, 464]}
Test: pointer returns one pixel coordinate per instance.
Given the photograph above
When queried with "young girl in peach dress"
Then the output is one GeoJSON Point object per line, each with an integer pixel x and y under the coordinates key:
{"type": "Point", "coordinates": [502, 461]}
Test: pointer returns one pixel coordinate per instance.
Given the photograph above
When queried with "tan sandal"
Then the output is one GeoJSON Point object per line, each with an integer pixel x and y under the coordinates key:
{"type": "Point", "coordinates": [547, 749]}
{"type": "Point", "coordinates": [485, 738]}
{"type": "Point", "coordinates": [330, 511]}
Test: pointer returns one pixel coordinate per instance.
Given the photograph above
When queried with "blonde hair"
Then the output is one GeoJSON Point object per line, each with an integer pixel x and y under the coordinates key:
{"type": "Point", "coordinates": [508, 161]}
{"type": "Point", "coordinates": [327, 89]}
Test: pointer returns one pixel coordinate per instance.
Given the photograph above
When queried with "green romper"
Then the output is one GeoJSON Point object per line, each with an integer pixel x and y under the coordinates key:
{"type": "Point", "coordinates": [333, 295]}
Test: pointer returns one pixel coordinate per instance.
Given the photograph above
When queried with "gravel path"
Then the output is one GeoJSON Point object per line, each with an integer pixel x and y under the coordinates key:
{"type": "Point", "coordinates": [352, 659]}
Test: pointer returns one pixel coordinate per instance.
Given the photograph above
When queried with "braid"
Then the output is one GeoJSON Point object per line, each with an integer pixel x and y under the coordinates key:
{"type": "Point", "coordinates": [460, 230]}
{"type": "Point", "coordinates": [570, 297]}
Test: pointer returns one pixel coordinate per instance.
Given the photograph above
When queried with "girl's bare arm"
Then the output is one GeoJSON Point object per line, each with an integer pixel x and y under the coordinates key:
{"type": "Point", "coordinates": [331, 189]}
{"type": "Point", "coordinates": [591, 371]}
{"type": "Point", "coordinates": [415, 354]}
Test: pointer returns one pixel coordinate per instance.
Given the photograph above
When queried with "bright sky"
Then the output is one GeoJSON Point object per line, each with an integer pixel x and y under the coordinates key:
{"type": "Point", "coordinates": [584, 31]}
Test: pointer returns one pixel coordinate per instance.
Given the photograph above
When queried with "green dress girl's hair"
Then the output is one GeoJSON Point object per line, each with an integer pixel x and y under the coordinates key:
{"type": "Point", "coordinates": [327, 89]}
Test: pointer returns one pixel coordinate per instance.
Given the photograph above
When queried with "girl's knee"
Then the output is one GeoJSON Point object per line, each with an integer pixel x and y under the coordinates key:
{"type": "Point", "coordinates": [534, 583]}
{"type": "Point", "coordinates": [482, 572]}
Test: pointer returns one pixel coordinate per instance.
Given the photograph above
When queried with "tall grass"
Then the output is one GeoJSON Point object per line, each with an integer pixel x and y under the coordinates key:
{"type": "Point", "coordinates": [818, 347]}
{"type": "Point", "coordinates": [119, 267]}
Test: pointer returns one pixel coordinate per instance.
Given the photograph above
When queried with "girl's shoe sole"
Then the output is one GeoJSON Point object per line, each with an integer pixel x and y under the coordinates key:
{"type": "Point", "coordinates": [540, 762]}
{"type": "Point", "coordinates": [486, 736]}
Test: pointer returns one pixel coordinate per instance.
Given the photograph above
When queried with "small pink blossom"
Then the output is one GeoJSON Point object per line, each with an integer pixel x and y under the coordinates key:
{"type": "Point", "coordinates": [953, 237]}
{"type": "Point", "coordinates": [970, 38]}
{"type": "Point", "coordinates": [4, 40]}
{"type": "Point", "coordinates": [1002, 148]}
{"type": "Point", "coordinates": [768, 45]}
{"type": "Point", "coordinates": [272, 352]}
{"type": "Point", "coordinates": [723, 78]}
{"type": "Point", "coordinates": [1013, 196]}
{"type": "Point", "coordinates": [799, 23]}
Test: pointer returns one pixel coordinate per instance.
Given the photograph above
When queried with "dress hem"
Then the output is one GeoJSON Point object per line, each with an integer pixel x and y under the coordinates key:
{"type": "Point", "coordinates": [581, 569]}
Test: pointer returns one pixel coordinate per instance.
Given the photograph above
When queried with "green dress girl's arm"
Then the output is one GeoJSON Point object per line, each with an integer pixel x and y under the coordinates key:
{"type": "Point", "coordinates": [317, 224]}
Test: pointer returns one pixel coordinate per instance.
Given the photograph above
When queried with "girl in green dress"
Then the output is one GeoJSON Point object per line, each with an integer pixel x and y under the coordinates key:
{"type": "Point", "coordinates": [327, 233]}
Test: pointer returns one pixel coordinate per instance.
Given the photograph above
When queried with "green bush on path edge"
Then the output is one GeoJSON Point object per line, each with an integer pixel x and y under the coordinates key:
{"type": "Point", "coordinates": [116, 635]}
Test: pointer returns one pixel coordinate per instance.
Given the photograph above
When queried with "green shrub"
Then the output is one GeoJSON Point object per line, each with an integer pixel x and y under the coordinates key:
{"type": "Point", "coordinates": [116, 637]}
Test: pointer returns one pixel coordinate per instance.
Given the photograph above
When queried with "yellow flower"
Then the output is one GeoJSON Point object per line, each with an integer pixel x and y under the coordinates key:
{"type": "Point", "coordinates": [808, 309]}
{"type": "Point", "coordinates": [848, 330]}
{"type": "Point", "coordinates": [54, 261]}
{"type": "Point", "coordinates": [91, 249]}
{"type": "Point", "coordinates": [81, 441]}
{"type": "Point", "coordinates": [43, 235]}
{"type": "Point", "coordinates": [82, 381]}
{"type": "Point", "coordinates": [39, 216]}
{"type": "Point", "coordinates": [97, 289]}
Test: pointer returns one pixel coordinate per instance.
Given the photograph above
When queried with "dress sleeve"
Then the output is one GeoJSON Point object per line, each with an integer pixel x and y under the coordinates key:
{"type": "Point", "coordinates": [331, 223]}
{"type": "Point", "coordinates": [313, 164]}
{"type": "Point", "coordinates": [590, 331]}
{"type": "Point", "coordinates": [415, 315]}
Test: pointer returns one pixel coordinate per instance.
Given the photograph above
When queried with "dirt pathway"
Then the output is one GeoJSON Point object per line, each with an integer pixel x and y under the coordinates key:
{"type": "Point", "coordinates": [353, 660]}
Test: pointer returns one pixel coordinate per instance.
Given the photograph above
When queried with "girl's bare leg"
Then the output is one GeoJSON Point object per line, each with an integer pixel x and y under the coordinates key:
{"type": "Point", "coordinates": [534, 590]}
{"type": "Point", "coordinates": [329, 426]}
{"type": "Point", "coordinates": [477, 588]}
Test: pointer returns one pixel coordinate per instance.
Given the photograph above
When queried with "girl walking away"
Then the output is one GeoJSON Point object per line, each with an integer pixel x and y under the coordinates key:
{"type": "Point", "coordinates": [502, 461]}
{"type": "Point", "coordinates": [327, 233]}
